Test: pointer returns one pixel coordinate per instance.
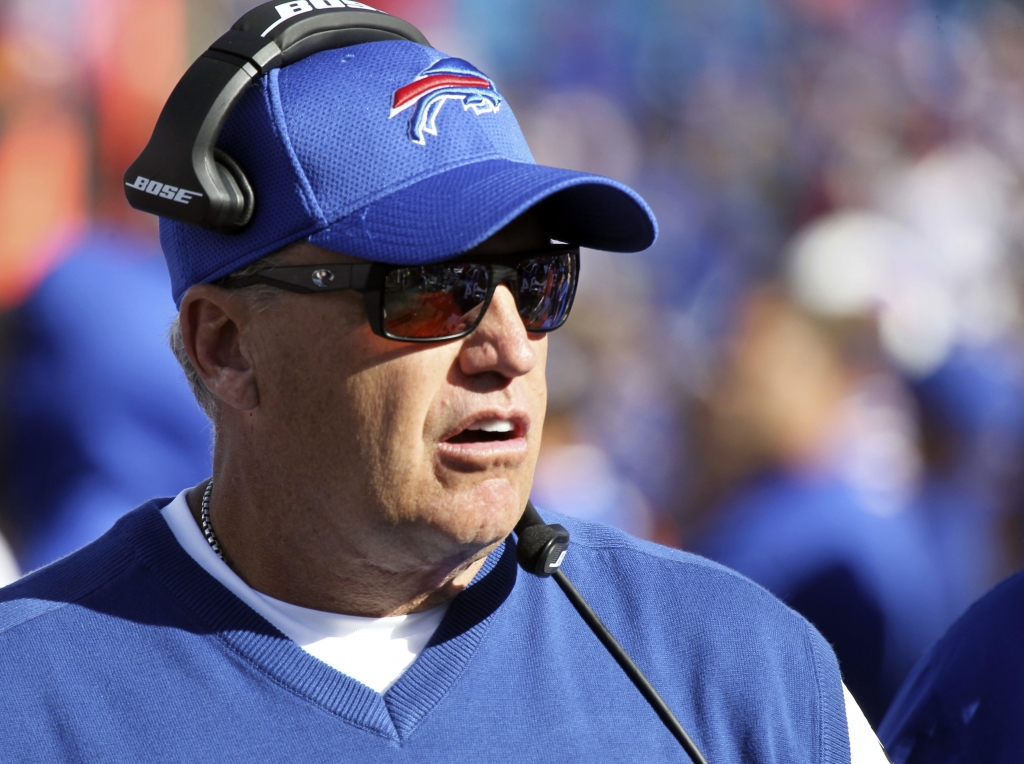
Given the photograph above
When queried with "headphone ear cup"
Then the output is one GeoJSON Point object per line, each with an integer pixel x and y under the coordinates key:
{"type": "Point", "coordinates": [243, 199]}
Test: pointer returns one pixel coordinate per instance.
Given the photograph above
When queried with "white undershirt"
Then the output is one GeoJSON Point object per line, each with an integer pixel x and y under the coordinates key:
{"type": "Point", "coordinates": [864, 745]}
{"type": "Point", "coordinates": [377, 651]}
{"type": "Point", "coordinates": [374, 651]}
{"type": "Point", "coordinates": [9, 572]}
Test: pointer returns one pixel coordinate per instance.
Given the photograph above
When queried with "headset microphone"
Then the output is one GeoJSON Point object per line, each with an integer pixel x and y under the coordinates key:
{"type": "Point", "coordinates": [540, 550]}
{"type": "Point", "coordinates": [180, 174]}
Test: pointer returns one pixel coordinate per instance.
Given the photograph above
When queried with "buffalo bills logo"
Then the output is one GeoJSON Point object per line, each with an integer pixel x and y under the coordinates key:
{"type": "Point", "coordinates": [450, 79]}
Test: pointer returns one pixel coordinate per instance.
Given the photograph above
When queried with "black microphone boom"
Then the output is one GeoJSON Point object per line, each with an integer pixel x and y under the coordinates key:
{"type": "Point", "coordinates": [541, 549]}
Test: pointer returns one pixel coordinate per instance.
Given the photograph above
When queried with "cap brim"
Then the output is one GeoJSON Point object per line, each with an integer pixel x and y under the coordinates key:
{"type": "Point", "coordinates": [453, 211]}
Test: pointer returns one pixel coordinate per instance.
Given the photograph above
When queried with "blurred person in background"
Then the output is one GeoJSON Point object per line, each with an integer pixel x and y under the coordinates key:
{"type": "Point", "coordinates": [804, 454]}
{"type": "Point", "coordinates": [89, 435]}
{"type": "Point", "coordinates": [863, 435]}
{"type": "Point", "coordinates": [85, 274]}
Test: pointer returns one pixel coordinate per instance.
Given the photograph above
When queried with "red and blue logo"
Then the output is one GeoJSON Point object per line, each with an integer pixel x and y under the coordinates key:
{"type": "Point", "coordinates": [450, 79]}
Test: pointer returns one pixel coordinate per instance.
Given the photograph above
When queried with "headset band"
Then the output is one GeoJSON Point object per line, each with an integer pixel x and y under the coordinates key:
{"type": "Point", "coordinates": [178, 175]}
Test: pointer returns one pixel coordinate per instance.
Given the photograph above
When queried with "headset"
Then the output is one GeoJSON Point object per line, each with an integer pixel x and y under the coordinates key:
{"type": "Point", "coordinates": [181, 175]}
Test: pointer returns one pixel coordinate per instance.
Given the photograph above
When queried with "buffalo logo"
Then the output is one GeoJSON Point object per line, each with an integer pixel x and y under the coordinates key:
{"type": "Point", "coordinates": [450, 79]}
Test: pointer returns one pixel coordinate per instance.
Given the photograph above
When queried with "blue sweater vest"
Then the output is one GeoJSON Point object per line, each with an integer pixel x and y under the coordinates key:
{"type": "Point", "coordinates": [127, 650]}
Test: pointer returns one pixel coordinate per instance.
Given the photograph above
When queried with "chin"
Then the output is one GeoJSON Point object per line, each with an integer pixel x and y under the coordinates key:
{"type": "Point", "coordinates": [484, 514]}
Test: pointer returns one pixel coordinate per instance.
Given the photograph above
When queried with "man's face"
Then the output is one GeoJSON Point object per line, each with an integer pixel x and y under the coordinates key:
{"type": "Point", "coordinates": [435, 444]}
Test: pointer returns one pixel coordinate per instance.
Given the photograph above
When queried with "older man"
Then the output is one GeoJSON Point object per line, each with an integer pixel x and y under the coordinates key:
{"type": "Point", "coordinates": [371, 348]}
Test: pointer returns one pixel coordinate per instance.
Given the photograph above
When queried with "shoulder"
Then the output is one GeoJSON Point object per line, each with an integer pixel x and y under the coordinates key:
{"type": "Point", "coordinates": [27, 604]}
{"type": "Point", "coordinates": [599, 551]}
{"type": "Point", "coordinates": [675, 611]}
{"type": "Point", "coordinates": [697, 601]}
{"type": "Point", "coordinates": [962, 700]}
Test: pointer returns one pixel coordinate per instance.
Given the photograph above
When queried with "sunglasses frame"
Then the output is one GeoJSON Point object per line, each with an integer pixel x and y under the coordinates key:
{"type": "Point", "coordinates": [370, 280]}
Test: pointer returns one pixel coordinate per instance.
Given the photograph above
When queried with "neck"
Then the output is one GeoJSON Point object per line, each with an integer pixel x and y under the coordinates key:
{"type": "Point", "coordinates": [279, 543]}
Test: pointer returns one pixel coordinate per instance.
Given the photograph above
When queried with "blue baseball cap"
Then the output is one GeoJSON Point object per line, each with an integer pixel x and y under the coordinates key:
{"type": "Point", "coordinates": [392, 152]}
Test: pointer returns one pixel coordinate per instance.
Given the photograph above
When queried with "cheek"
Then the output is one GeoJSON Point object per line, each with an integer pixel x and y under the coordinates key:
{"type": "Point", "coordinates": [538, 384]}
{"type": "Point", "coordinates": [391, 402]}
{"type": "Point", "coordinates": [348, 396]}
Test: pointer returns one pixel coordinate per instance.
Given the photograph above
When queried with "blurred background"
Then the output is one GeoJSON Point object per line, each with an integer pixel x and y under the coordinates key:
{"type": "Point", "coordinates": [816, 376]}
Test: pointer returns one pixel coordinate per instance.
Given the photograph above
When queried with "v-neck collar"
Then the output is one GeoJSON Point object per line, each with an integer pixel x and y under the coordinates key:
{"type": "Point", "coordinates": [394, 715]}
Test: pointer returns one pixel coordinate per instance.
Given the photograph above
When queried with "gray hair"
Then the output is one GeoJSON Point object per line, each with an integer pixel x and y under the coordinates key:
{"type": "Point", "coordinates": [259, 294]}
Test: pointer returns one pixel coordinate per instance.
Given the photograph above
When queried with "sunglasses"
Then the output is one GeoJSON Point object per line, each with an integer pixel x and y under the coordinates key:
{"type": "Point", "coordinates": [442, 301]}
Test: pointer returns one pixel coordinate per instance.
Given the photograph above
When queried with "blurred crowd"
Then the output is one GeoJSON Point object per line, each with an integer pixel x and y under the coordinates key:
{"type": "Point", "coordinates": [816, 376]}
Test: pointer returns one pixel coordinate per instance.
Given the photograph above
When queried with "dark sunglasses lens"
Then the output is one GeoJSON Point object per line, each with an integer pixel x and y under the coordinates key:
{"type": "Point", "coordinates": [547, 285]}
{"type": "Point", "coordinates": [434, 301]}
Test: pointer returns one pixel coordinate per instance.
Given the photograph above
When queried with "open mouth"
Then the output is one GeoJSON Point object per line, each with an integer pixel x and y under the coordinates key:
{"type": "Point", "coordinates": [485, 431]}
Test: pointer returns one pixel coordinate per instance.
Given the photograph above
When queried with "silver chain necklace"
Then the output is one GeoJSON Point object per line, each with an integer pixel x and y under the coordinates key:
{"type": "Point", "coordinates": [211, 537]}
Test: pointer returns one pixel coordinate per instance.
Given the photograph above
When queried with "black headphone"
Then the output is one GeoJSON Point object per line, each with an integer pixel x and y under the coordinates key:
{"type": "Point", "coordinates": [181, 174]}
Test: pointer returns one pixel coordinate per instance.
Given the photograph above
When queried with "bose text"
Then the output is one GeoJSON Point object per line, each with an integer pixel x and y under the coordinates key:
{"type": "Point", "coordinates": [287, 10]}
{"type": "Point", "coordinates": [163, 190]}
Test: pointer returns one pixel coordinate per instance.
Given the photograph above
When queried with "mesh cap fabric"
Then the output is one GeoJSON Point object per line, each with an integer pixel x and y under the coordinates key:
{"type": "Point", "coordinates": [392, 152]}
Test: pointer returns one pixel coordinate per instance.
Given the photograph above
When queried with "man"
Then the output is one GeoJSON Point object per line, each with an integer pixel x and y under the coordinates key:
{"type": "Point", "coordinates": [345, 588]}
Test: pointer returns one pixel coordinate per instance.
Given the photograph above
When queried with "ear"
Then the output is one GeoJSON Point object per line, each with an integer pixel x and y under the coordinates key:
{"type": "Point", "coordinates": [212, 324]}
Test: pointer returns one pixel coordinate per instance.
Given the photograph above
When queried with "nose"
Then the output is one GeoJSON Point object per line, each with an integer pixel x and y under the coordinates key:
{"type": "Point", "coordinates": [500, 343]}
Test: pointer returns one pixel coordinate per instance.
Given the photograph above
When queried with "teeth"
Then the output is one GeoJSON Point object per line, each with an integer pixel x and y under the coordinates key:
{"type": "Point", "coordinates": [492, 425]}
